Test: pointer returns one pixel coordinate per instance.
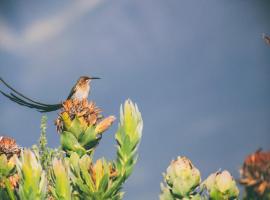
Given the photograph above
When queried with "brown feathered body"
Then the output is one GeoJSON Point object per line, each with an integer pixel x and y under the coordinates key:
{"type": "Point", "coordinates": [81, 89]}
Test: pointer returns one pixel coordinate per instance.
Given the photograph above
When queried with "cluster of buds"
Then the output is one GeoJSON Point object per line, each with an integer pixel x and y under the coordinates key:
{"type": "Point", "coordinates": [221, 186]}
{"type": "Point", "coordinates": [183, 181]}
{"type": "Point", "coordinates": [98, 169]}
{"type": "Point", "coordinates": [255, 174]}
{"type": "Point", "coordinates": [98, 179]}
{"type": "Point", "coordinates": [80, 125]}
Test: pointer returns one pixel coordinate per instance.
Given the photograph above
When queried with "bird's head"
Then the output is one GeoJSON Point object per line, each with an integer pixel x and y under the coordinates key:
{"type": "Point", "coordinates": [86, 79]}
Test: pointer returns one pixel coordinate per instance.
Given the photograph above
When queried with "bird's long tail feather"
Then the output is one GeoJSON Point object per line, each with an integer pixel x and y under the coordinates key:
{"type": "Point", "coordinates": [21, 99]}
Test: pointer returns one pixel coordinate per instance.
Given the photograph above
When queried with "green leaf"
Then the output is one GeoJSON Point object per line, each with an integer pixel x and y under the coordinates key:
{"type": "Point", "coordinates": [4, 195]}
{"type": "Point", "coordinates": [76, 127]}
{"type": "Point", "coordinates": [61, 184]}
{"type": "Point", "coordinates": [74, 162]}
{"type": "Point", "coordinates": [89, 138]}
{"type": "Point", "coordinates": [32, 184]}
{"type": "Point", "coordinates": [84, 164]}
{"type": "Point", "coordinates": [165, 193]}
{"type": "Point", "coordinates": [70, 143]}
{"type": "Point", "coordinates": [9, 190]}
{"type": "Point", "coordinates": [104, 183]}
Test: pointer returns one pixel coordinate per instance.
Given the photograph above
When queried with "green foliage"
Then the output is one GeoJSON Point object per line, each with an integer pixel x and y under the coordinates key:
{"type": "Point", "coordinates": [61, 188]}
{"type": "Point", "coordinates": [251, 195]}
{"type": "Point", "coordinates": [43, 150]}
{"type": "Point", "coordinates": [43, 138]}
{"type": "Point", "coordinates": [32, 184]}
{"type": "Point", "coordinates": [182, 181]}
{"type": "Point", "coordinates": [7, 168]}
{"type": "Point", "coordinates": [70, 172]}
{"type": "Point", "coordinates": [128, 136]}
{"type": "Point", "coordinates": [104, 179]}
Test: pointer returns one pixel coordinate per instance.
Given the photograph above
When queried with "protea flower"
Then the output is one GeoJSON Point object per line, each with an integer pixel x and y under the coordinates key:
{"type": "Point", "coordinates": [255, 175]}
{"type": "Point", "coordinates": [87, 112]}
{"type": "Point", "coordinates": [221, 186]}
{"type": "Point", "coordinates": [8, 146]}
{"type": "Point", "coordinates": [81, 125]}
{"type": "Point", "coordinates": [182, 177]}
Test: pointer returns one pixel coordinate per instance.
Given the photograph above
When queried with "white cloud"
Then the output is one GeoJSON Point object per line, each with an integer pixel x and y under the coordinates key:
{"type": "Point", "coordinates": [44, 29]}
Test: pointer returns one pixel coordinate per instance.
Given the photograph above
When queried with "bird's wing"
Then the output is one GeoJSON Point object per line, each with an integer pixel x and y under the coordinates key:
{"type": "Point", "coordinates": [21, 99]}
{"type": "Point", "coordinates": [73, 90]}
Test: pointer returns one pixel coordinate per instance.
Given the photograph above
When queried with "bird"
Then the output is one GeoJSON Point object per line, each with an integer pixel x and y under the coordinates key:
{"type": "Point", "coordinates": [266, 38]}
{"type": "Point", "coordinates": [79, 91]}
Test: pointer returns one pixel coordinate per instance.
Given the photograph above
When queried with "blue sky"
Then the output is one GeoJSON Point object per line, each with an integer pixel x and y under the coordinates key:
{"type": "Point", "coordinates": [198, 70]}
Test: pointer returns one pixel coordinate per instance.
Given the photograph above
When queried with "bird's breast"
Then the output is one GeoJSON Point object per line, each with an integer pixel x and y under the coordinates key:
{"type": "Point", "coordinates": [81, 94]}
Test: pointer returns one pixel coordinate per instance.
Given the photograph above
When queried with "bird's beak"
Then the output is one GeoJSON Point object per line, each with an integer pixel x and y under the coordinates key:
{"type": "Point", "coordinates": [94, 78]}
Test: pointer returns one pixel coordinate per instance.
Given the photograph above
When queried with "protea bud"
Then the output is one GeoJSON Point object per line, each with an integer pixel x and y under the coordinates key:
{"type": "Point", "coordinates": [182, 177]}
{"type": "Point", "coordinates": [104, 124]}
{"type": "Point", "coordinates": [221, 186]}
{"type": "Point", "coordinates": [128, 137]}
{"type": "Point", "coordinates": [255, 175]}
